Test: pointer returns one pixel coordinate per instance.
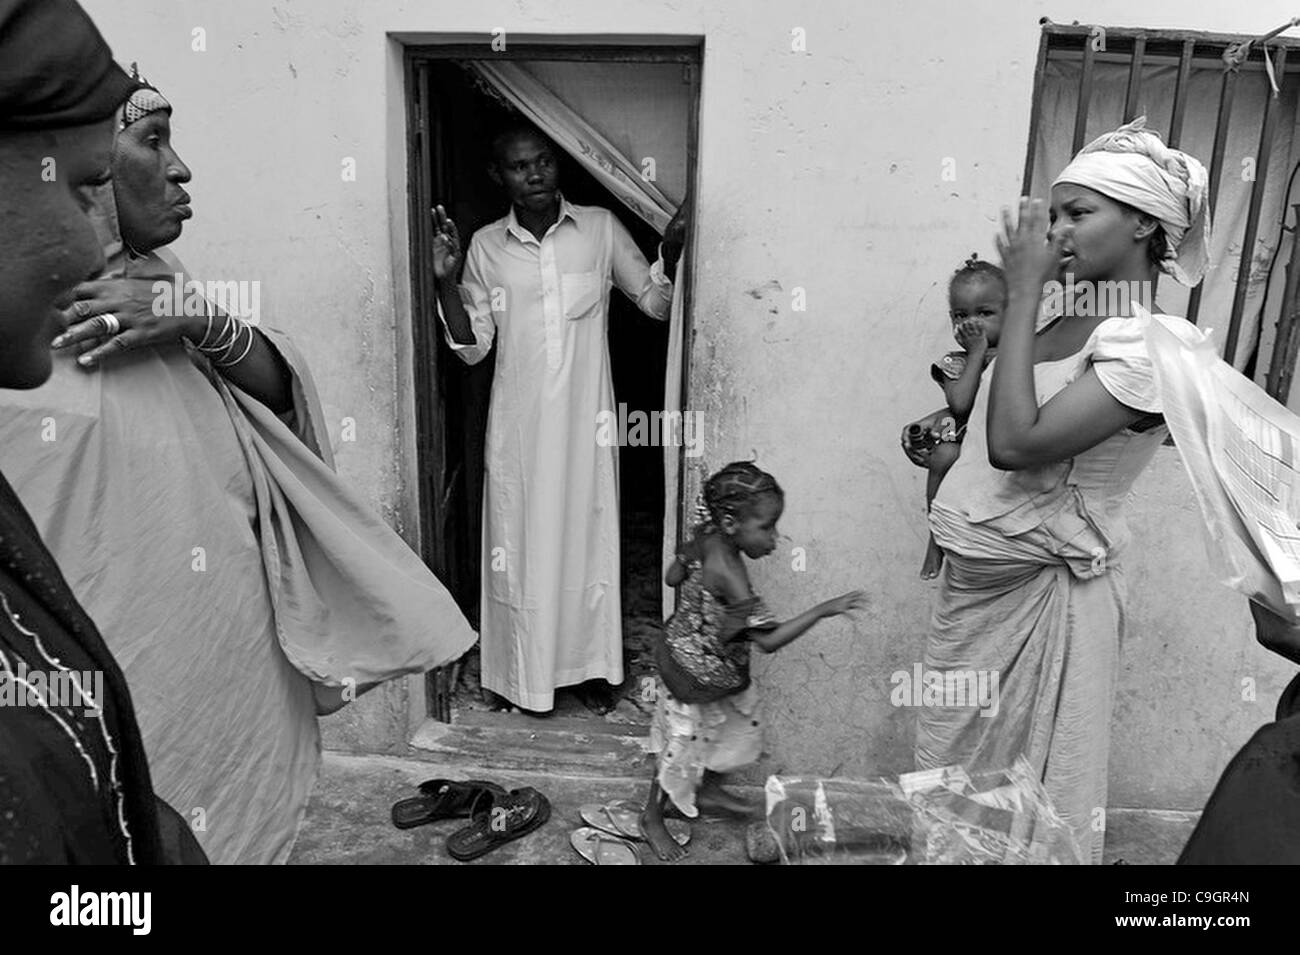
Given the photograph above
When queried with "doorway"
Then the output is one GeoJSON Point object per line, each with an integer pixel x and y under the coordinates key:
{"type": "Point", "coordinates": [452, 117]}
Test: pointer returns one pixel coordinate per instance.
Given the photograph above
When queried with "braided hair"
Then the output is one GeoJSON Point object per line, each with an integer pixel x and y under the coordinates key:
{"type": "Point", "coordinates": [977, 268]}
{"type": "Point", "coordinates": [734, 491]}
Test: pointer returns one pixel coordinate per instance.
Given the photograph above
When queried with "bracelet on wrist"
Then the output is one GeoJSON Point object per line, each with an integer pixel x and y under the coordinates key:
{"type": "Point", "coordinates": [207, 331]}
{"type": "Point", "coordinates": [230, 349]}
{"type": "Point", "coordinates": [220, 349]}
{"type": "Point", "coordinates": [242, 355]}
{"type": "Point", "coordinates": [222, 339]}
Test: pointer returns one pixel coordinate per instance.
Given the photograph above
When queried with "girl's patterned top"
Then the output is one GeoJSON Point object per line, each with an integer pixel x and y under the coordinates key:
{"type": "Point", "coordinates": [704, 655]}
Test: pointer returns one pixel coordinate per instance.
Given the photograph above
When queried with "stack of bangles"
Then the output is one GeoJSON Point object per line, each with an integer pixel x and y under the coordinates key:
{"type": "Point", "coordinates": [220, 349]}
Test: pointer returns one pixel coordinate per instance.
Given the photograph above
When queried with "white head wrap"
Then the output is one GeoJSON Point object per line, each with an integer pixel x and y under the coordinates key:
{"type": "Point", "coordinates": [1132, 165]}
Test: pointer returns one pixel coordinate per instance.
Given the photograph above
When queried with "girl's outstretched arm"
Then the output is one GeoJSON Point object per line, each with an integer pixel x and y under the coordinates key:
{"type": "Point", "coordinates": [1020, 434]}
{"type": "Point", "coordinates": [769, 641]}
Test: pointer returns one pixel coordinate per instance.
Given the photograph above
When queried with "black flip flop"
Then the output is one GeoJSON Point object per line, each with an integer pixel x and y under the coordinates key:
{"type": "Point", "coordinates": [499, 819]}
{"type": "Point", "coordinates": [442, 799]}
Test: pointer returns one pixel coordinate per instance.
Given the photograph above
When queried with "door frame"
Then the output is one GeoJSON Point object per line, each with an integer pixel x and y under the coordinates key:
{"type": "Point", "coordinates": [423, 149]}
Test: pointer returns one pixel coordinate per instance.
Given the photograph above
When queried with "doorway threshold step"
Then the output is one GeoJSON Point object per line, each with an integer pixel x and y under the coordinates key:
{"type": "Point", "coordinates": [593, 725]}
{"type": "Point", "coordinates": [566, 745]}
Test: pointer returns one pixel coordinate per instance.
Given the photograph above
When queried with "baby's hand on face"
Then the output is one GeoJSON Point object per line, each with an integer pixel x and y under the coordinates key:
{"type": "Point", "coordinates": [970, 333]}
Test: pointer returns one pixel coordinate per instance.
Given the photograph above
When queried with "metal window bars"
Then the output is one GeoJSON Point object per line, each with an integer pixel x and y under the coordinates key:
{"type": "Point", "coordinates": [1142, 46]}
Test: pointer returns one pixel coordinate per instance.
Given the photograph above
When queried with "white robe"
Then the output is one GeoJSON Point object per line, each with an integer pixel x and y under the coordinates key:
{"type": "Point", "coordinates": [551, 611]}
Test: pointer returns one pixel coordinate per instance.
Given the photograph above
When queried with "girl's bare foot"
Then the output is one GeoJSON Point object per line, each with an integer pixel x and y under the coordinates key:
{"type": "Point", "coordinates": [661, 841]}
{"type": "Point", "coordinates": [933, 561]}
{"type": "Point", "coordinates": [715, 800]}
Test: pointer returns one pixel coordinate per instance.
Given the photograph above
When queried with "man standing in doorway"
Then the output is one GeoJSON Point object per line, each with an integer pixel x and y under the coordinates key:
{"type": "Point", "coordinates": [538, 281]}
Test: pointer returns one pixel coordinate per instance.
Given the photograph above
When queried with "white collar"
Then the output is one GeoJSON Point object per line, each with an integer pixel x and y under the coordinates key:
{"type": "Point", "coordinates": [523, 235]}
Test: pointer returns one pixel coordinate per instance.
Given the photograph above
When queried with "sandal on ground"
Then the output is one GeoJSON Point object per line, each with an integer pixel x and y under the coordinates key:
{"type": "Point", "coordinates": [441, 799]}
{"type": "Point", "coordinates": [601, 848]}
{"type": "Point", "coordinates": [623, 818]}
{"type": "Point", "coordinates": [498, 819]}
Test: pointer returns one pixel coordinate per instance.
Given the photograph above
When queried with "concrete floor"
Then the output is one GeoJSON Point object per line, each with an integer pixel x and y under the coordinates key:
{"type": "Point", "coordinates": [348, 821]}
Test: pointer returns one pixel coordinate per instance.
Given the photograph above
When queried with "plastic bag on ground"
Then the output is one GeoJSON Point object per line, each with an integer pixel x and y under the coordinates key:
{"type": "Point", "coordinates": [838, 821]}
{"type": "Point", "coordinates": [934, 817]}
{"type": "Point", "coordinates": [1001, 817]}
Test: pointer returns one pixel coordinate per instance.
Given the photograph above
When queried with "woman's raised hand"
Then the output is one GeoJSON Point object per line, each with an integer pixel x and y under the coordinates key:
{"type": "Point", "coordinates": [113, 316]}
{"type": "Point", "coordinates": [447, 254]}
{"type": "Point", "coordinates": [845, 604]}
{"type": "Point", "coordinates": [1029, 259]}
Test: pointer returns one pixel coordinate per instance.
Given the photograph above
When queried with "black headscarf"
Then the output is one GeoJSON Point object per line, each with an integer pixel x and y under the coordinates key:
{"type": "Point", "coordinates": [55, 68]}
{"type": "Point", "coordinates": [56, 804]}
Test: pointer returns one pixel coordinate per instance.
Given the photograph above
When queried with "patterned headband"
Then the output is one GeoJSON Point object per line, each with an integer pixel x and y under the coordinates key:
{"type": "Point", "coordinates": [143, 101]}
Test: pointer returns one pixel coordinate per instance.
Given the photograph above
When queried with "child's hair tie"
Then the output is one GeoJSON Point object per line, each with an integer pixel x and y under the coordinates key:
{"type": "Point", "coordinates": [975, 267]}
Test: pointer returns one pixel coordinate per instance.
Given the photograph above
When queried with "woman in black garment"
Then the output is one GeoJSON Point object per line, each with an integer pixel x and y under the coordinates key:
{"type": "Point", "coordinates": [74, 784]}
{"type": "Point", "coordinates": [1253, 816]}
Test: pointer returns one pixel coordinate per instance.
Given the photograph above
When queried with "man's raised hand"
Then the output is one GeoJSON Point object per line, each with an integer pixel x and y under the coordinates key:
{"type": "Point", "coordinates": [447, 254]}
{"type": "Point", "coordinates": [675, 233]}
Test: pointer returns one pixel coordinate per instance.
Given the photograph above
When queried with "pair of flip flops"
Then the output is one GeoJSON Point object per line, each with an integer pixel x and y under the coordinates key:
{"type": "Point", "coordinates": [442, 799]}
{"type": "Point", "coordinates": [614, 830]}
{"type": "Point", "coordinates": [496, 816]}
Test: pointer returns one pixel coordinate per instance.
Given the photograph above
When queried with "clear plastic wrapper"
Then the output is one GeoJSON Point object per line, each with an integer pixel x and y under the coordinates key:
{"type": "Point", "coordinates": [936, 817]}
{"type": "Point", "coordinates": [1239, 448]}
{"type": "Point", "coordinates": [838, 821]}
{"type": "Point", "coordinates": [1001, 817]}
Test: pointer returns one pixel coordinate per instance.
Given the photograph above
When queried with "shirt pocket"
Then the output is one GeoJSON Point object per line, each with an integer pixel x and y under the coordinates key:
{"type": "Point", "coordinates": [581, 293]}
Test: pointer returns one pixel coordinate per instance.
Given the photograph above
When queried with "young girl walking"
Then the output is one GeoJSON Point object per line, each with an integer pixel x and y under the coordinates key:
{"type": "Point", "coordinates": [706, 715]}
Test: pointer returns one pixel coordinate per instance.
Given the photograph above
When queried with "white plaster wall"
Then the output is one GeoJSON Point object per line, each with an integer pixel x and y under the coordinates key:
{"type": "Point", "coordinates": [819, 170]}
